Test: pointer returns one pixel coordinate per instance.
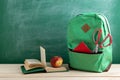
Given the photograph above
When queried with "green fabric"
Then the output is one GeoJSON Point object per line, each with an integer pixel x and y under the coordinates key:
{"type": "Point", "coordinates": [36, 70]}
{"type": "Point", "coordinates": [84, 61]}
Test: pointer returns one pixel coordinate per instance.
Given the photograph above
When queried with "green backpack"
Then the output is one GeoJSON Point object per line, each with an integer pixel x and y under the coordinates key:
{"type": "Point", "coordinates": [89, 42]}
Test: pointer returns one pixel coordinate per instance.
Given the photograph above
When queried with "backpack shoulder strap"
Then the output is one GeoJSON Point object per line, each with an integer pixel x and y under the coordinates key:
{"type": "Point", "coordinates": [106, 22]}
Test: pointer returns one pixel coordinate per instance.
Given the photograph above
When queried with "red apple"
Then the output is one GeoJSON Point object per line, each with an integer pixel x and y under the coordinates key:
{"type": "Point", "coordinates": [56, 61]}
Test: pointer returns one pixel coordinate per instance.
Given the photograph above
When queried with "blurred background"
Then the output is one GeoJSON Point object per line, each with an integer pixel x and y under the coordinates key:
{"type": "Point", "coordinates": [27, 24]}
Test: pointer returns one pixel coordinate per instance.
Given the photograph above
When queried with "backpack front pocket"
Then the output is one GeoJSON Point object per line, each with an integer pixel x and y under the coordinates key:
{"type": "Point", "coordinates": [84, 61]}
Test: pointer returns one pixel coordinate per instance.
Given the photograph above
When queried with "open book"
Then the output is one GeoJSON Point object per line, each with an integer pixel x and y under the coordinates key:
{"type": "Point", "coordinates": [35, 63]}
{"type": "Point", "coordinates": [32, 63]}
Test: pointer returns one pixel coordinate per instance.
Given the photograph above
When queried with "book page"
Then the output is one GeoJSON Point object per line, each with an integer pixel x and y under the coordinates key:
{"type": "Point", "coordinates": [43, 56]}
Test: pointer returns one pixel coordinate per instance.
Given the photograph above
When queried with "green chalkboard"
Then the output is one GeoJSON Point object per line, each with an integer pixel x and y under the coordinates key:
{"type": "Point", "coordinates": [27, 24]}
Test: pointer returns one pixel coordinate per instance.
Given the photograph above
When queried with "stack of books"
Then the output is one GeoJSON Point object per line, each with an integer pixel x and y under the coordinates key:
{"type": "Point", "coordinates": [32, 66]}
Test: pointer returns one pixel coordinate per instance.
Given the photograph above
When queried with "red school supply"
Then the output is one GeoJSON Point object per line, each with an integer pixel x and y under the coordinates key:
{"type": "Point", "coordinates": [82, 48]}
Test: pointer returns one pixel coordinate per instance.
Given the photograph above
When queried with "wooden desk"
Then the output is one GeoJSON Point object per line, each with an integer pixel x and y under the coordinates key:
{"type": "Point", "coordinates": [13, 72]}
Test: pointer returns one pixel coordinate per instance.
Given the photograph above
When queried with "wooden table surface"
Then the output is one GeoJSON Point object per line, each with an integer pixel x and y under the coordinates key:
{"type": "Point", "coordinates": [13, 72]}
